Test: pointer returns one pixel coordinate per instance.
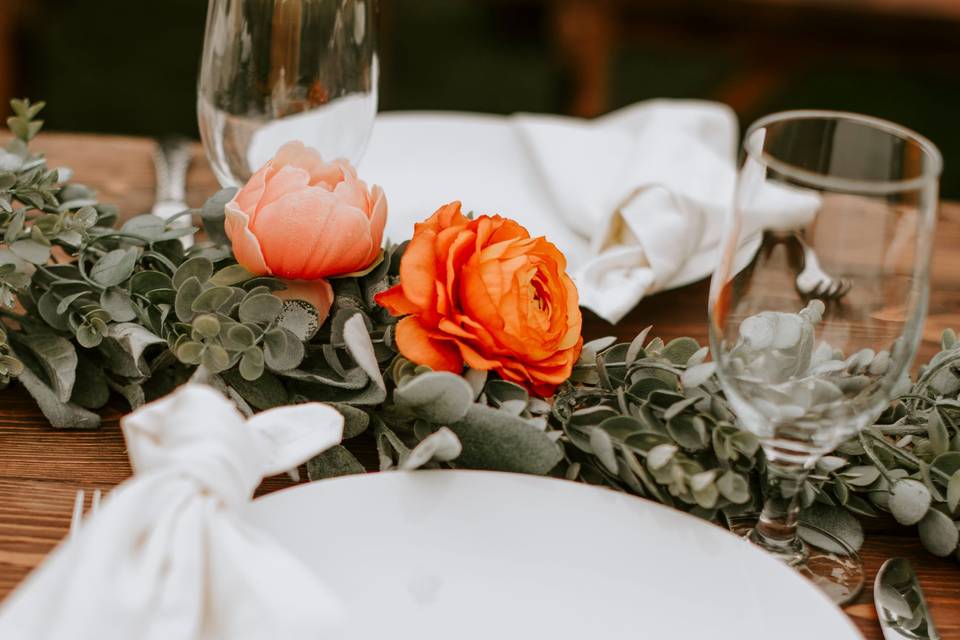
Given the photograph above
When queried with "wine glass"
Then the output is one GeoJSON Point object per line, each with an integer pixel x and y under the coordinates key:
{"type": "Point", "coordinates": [276, 71]}
{"type": "Point", "coordinates": [817, 305]}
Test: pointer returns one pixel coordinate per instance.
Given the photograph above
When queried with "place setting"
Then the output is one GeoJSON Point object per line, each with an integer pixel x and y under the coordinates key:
{"type": "Point", "coordinates": [430, 327]}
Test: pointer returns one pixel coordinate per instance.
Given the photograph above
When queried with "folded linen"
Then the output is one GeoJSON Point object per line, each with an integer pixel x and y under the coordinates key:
{"type": "Point", "coordinates": [168, 557]}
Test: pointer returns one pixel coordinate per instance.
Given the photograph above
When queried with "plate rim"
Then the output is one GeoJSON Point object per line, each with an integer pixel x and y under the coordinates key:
{"type": "Point", "coordinates": [759, 554]}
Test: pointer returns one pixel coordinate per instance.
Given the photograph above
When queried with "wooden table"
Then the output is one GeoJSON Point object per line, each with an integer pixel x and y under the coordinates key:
{"type": "Point", "coordinates": [41, 469]}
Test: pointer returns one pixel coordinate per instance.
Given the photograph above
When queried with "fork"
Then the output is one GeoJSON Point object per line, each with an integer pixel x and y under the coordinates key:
{"type": "Point", "coordinates": [813, 281]}
{"type": "Point", "coordinates": [77, 517]}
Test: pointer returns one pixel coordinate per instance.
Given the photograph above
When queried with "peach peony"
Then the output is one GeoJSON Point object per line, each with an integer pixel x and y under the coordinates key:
{"type": "Point", "coordinates": [303, 220]}
{"type": "Point", "coordinates": [484, 293]}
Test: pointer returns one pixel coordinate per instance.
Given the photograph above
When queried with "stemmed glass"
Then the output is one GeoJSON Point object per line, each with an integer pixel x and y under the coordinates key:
{"type": "Point", "coordinates": [818, 301]}
{"type": "Point", "coordinates": [276, 71]}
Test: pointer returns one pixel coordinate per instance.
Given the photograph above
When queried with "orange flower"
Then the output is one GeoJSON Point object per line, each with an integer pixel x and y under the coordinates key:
{"type": "Point", "coordinates": [303, 220]}
{"type": "Point", "coordinates": [484, 293]}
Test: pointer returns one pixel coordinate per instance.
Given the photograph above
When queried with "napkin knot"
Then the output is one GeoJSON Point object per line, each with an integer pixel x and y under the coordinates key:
{"type": "Point", "coordinates": [197, 434]}
{"type": "Point", "coordinates": [168, 557]}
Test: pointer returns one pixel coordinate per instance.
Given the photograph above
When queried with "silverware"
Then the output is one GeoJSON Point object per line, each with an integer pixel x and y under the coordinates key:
{"type": "Point", "coordinates": [900, 604]}
{"type": "Point", "coordinates": [813, 281]}
{"type": "Point", "coordinates": [171, 159]}
{"type": "Point", "coordinates": [77, 517]}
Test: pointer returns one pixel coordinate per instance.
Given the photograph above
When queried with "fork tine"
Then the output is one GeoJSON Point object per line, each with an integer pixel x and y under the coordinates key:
{"type": "Point", "coordinates": [77, 513]}
{"type": "Point", "coordinates": [95, 502]}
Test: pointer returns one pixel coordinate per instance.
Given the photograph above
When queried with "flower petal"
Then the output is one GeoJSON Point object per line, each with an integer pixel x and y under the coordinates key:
{"type": "Point", "coordinates": [246, 247]}
{"type": "Point", "coordinates": [419, 346]}
{"type": "Point", "coordinates": [395, 302]}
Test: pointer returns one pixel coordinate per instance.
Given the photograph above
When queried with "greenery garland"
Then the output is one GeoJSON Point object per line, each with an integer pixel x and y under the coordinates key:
{"type": "Point", "coordinates": [87, 307]}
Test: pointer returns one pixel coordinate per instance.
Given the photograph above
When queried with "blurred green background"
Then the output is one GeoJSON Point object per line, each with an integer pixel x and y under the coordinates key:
{"type": "Point", "coordinates": [122, 66]}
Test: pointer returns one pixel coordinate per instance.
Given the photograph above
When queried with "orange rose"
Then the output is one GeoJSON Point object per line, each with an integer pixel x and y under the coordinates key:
{"type": "Point", "coordinates": [484, 293]}
{"type": "Point", "coordinates": [303, 220]}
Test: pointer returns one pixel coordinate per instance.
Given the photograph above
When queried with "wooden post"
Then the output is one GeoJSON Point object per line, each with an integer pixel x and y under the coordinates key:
{"type": "Point", "coordinates": [7, 67]}
{"type": "Point", "coordinates": [585, 35]}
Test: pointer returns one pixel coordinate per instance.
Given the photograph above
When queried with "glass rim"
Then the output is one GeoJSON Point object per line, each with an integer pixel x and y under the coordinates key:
{"type": "Point", "coordinates": [874, 187]}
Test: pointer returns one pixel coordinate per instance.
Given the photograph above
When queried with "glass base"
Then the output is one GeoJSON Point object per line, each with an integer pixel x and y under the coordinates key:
{"type": "Point", "coordinates": [820, 557]}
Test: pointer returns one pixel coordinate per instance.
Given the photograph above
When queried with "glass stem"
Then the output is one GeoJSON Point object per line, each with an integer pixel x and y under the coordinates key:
{"type": "Point", "coordinates": [776, 531]}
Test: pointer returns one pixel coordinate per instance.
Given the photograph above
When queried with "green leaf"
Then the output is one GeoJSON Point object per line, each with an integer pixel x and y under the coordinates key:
{"type": "Point", "coordinates": [360, 348]}
{"type": "Point", "coordinates": [938, 533]}
{"type": "Point", "coordinates": [909, 501]}
{"type": "Point", "coordinates": [58, 358]}
{"type": "Point", "coordinates": [61, 414]}
{"type": "Point", "coordinates": [144, 282]}
{"type": "Point", "coordinates": [333, 463]}
{"type": "Point", "coordinates": [15, 227]}
{"type": "Point", "coordinates": [190, 352]}
{"type": "Point", "coordinates": [215, 358]}
{"type": "Point", "coordinates": [200, 268]}
{"type": "Point", "coordinates": [833, 520]}
{"type": "Point", "coordinates": [90, 334]}
{"type": "Point", "coordinates": [438, 396]}
{"type": "Point", "coordinates": [114, 268]}
{"type": "Point", "coordinates": [440, 446]}
{"type": "Point", "coordinates": [32, 251]}
{"type": "Point", "coordinates": [90, 391]}
{"type": "Point", "coordinates": [232, 275]}
{"type": "Point", "coordinates": [261, 308]}
{"type": "Point", "coordinates": [282, 350]}
{"type": "Point", "coordinates": [118, 304]}
{"type": "Point", "coordinates": [734, 487]}
{"type": "Point", "coordinates": [266, 393]}
{"type": "Point", "coordinates": [251, 364]}
{"type": "Point", "coordinates": [148, 226]}
{"type": "Point", "coordinates": [355, 421]}
{"type": "Point", "coordinates": [680, 350]}
{"type": "Point", "coordinates": [212, 299]}
{"type": "Point", "coordinates": [213, 215]}
{"type": "Point", "coordinates": [499, 442]}
{"type": "Point", "coordinates": [953, 492]}
{"type": "Point", "coordinates": [939, 438]}
{"type": "Point", "coordinates": [603, 448]}
{"type": "Point", "coordinates": [187, 293]}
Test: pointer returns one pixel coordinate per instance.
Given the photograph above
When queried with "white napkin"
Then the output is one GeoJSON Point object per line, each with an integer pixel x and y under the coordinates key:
{"type": "Point", "coordinates": [167, 557]}
{"type": "Point", "coordinates": [636, 200]}
{"type": "Point", "coordinates": [650, 186]}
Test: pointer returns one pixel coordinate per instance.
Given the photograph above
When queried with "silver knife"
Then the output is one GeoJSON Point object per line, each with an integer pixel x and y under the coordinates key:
{"type": "Point", "coordinates": [172, 157]}
{"type": "Point", "coordinates": [901, 607]}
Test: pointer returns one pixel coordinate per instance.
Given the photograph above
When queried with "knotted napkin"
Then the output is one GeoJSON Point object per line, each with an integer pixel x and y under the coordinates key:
{"type": "Point", "coordinates": [650, 186]}
{"type": "Point", "coordinates": [167, 557]}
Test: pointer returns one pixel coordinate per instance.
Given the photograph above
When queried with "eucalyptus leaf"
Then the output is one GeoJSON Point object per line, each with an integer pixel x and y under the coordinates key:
{"type": "Point", "coordinates": [114, 268]}
{"type": "Point", "coordinates": [118, 304]}
{"type": "Point", "coordinates": [62, 415]}
{"type": "Point", "coordinates": [834, 521]}
{"type": "Point", "coordinates": [438, 396]}
{"type": "Point", "coordinates": [58, 358]}
{"type": "Point", "coordinates": [32, 251]}
{"type": "Point", "coordinates": [264, 308]}
{"type": "Point", "coordinates": [494, 441]}
{"type": "Point", "coordinates": [603, 448]}
{"type": "Point", "coordinates": [332, 463]}
{"type": "Point", "coordinates": [440, 446]}
{"type": "Point", "coordinates": [938, 533]}
{"type": "Point", "coordinates": [909, 501]}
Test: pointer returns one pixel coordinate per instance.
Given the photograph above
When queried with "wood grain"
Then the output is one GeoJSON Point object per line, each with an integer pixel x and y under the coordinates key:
{"type": "Point", "coordinates": [41, 469]}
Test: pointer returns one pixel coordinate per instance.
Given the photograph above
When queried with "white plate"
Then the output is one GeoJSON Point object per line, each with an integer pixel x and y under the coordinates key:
{"type": "Point", "coordinates": [468, 554]}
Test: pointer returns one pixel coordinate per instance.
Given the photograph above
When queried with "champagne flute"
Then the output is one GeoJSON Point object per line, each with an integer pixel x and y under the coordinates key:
{"type": "Point", "coordinates": [817, 305]}
{"type": "Point", "coordinates": [276, 71]}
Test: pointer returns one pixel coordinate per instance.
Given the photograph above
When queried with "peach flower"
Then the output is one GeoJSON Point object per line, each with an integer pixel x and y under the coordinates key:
{"type": "Point", "coordinates": [484, 293]}
{"type": "Point", "coordinates": [303, 220]}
